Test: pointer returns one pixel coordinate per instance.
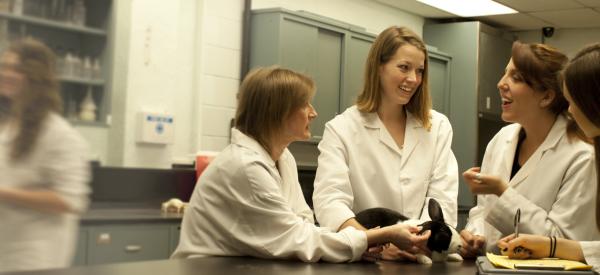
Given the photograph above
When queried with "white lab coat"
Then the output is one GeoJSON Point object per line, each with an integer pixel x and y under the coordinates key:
{"type": "Point", "coordinates": [30, 239]}
{"type": "Point", "coordinates": [555, 189]}
{"type": "Point", "coordinates": [591, 253]}
{"type": "Point", "coordinates": [246, 204]}
{"type": "Point", "coordinates": [361, 166]}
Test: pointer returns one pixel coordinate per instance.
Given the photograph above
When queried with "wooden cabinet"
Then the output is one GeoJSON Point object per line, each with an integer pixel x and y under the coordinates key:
{"type": "Point", "coordinates": [333, 53]}
{"type": "Point", "coordinates": [78, 33]}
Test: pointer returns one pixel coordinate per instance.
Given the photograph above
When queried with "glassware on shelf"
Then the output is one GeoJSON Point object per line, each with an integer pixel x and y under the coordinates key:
{"type": "Point", "coordinates": [86, 70]}
{"type": "Point", "coordinates": [5, 5]}
{"type": "Point", "coordinates": [17, 7]}
{"type": "Point", "coordinates": [78, 13]}
{"type": "Point", "coordinates": [96, 70]}
{"type": "Point", "coordinates": [88, 108]}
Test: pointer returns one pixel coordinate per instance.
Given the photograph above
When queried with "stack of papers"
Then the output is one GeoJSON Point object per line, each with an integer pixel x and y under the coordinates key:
{"type": "Point", "coordinates": [553, 263]}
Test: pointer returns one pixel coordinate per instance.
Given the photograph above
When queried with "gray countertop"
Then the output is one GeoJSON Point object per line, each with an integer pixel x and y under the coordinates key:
{"type": "Point", "coordinates": [250, 266]}
{"type": "Point", "coordinates": [127, 213]}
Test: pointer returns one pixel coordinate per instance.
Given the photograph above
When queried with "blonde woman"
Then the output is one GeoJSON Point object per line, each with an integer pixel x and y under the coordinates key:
{"type": "Point", "coordinates": [390, 149]}
{"type": "Point", "coordinates": [249, 202]}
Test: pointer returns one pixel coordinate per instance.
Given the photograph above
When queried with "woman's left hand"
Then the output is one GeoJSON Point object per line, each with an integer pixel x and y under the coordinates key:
{"type": "Point", "coordinates": [482, 184]}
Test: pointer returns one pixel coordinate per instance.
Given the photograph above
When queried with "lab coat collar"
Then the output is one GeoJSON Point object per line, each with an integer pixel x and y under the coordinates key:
{"type": "Point", "coordinates": [557, 131]}
{"type": "Point", "coordinates": [241, 139]}
{"type": "Point", "coordinates": [412, 135]}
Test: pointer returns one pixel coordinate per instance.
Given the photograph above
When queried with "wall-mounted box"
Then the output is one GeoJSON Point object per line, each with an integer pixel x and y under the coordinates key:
{"type": "Point", "coordinates": [156, 128]}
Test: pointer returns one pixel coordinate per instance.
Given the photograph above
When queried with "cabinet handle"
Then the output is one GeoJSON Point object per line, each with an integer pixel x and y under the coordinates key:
{"type": "Point", "coordinates": [133, 248]}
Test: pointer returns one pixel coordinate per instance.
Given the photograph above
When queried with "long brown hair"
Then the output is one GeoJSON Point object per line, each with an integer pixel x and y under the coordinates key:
{"type": "Point", "coordinates": [582, 80]}
{"type": "Point", "coordinates": [40, 94]}
{"type": "Point", "coordinates": [383, 49]}
{"type": "Point", "coordinates": [267, 96]}
{"type": "Point", "coordinates": [541, 66]}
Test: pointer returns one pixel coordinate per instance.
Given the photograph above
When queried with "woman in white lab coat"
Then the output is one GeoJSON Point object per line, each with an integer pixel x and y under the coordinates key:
{"type": "Point", "coordinates": [44, 172]}
{"type": "Point", "coordinates": [390, 149]}
{"type": "Point", "coordinates": [540, 164]}
{"type": "Point", "coordinates": [581, 88]}
{"type": "Point", "coordinates": [249, 202]}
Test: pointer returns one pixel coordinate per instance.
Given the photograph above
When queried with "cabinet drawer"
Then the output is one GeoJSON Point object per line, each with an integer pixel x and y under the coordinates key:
{"type": "Point", "coordinates": [111, 244]}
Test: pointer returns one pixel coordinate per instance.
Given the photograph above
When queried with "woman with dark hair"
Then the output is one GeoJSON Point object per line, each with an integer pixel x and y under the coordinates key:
{"type": "Point", "coordinates": [582, 90]}
{"type": "Point", "coordinates": [390, 149]}
{"type": "Point", "coordinates": [44, 172]}
{"type": "Point", "coordinates": [249, 202]}
{"type": "Point", "coordinates": [542, 164]}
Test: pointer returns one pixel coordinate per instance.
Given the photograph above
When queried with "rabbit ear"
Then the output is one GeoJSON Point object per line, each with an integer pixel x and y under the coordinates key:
{"type": "Point", "coordinates": [435, 211]}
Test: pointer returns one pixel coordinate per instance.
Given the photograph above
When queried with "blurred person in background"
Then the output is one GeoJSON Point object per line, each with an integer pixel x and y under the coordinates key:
{"type": "Point", "coordinates": [44, 172]}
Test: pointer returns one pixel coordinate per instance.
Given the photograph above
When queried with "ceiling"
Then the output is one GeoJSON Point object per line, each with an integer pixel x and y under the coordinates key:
{"type": "Point", "coordinates": [533, 14]}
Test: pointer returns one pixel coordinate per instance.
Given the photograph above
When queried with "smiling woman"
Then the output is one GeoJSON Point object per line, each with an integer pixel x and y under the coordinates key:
{"type": "Point", "coordinates": [540, 164]}
{"type": "Point", "coordinates": [391, 149]}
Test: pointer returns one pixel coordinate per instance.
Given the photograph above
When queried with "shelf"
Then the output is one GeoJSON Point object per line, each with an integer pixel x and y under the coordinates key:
{"type": "Point", "coordinates": [51, 23]}
{"type": "Point", "coordinates": [84, 81]}
{"type": "Point", "coordinates": [77, 122]}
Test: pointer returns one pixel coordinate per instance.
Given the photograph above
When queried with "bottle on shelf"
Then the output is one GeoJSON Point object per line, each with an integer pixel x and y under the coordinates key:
{"type": "Point", "coordinates": [17, 7]}
{"type": "Point", "coordinates": [87, 68]}
{"type": "Point", "coordinates": [68, 65]}
{"type": "Point", "coordinates": [78, 15]}
{"type": "Point", "coordinates": [77, 66]}
{"type": "Point", "coordinates": [88, 108]}
{"type": "Point", "coordinates": [5, 5]}
{"type": "Point", "coordinates": [96, 70]}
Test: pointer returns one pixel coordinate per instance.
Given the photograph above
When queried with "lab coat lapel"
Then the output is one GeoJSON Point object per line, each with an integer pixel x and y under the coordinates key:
{"type": "Point", "coordinates": [508, 154]}
{"type": "Point", "coordinates": [557, 131]}
{"type": "Point", "coordinates": [413, 134]}
{"type": "Point", "coordinates": [372, 121]}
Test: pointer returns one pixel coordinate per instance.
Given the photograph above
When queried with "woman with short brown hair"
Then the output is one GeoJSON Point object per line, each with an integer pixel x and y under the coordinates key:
{"type": "Point", "coordinates": [249, 201]}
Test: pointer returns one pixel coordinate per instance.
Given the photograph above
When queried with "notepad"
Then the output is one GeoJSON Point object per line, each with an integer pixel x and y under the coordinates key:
{"type": "Point", "coordinates": [546, 263]}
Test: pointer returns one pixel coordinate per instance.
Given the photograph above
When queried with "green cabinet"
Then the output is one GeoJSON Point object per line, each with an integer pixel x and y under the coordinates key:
{"type": "Point", "coordinates": [113, 243]}
{"type": "Point", "coordinates": [439, 80]}
{"type": "Point", "coordinates": [479, 56]}
{"type": "Point", "coordinates": [333, 53]}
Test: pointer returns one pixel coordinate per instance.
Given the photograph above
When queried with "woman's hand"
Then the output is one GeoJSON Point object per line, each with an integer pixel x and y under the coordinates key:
{"type": "Point", "coordinates": [482, 184]}
{"type": "Point", "coordinates": [405, 237]}
{"type": "Point", "coordinates": [539, 247]}
{"type": "Point", "coordinates": [534, 246]}
{"type": "Point", "coordinates": [472, 245]}
{"type": "Point", "coordinates": [393, 253]}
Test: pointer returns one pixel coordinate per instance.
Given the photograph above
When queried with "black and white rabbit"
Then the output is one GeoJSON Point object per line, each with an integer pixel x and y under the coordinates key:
{"type": "Point", "coordinates": [444, 242]}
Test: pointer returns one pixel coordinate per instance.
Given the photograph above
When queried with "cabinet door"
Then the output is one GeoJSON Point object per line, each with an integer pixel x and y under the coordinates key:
{"type": "Point", "coordinates": [174, 239]}
{"type": "Point", "coordinates": [439, 82]}
{"type": "Point", "coordinates": [357, 49]}
{"type": "Point", "coordinates": [127, 243]}
{"type": "Point", "coordinates": [299, 46]}
{"type": "Point", "coordinates": [327, 78]}
{"type": "Point", "coordinates": [81, 249]}
{"type": "Point", "coordinates": [495, 52]}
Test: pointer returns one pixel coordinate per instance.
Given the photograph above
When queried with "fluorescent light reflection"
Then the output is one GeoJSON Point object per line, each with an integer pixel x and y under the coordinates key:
{"type": "Point", "coordinates": [469, 8]}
